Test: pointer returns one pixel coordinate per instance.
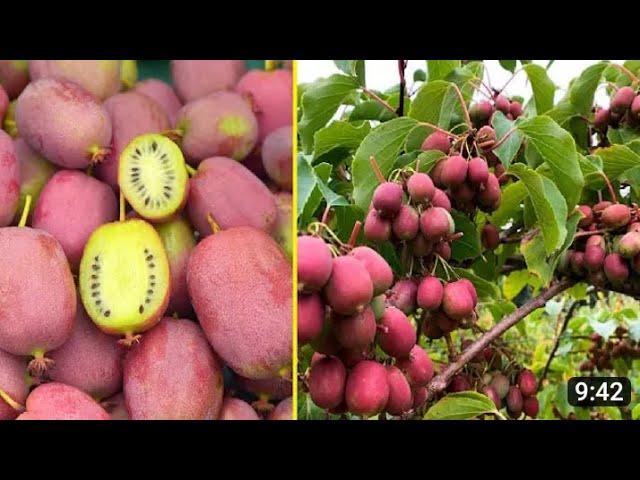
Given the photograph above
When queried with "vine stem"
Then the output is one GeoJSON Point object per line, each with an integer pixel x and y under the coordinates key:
{"type": "Point", "coordinates": [510, 79]}
{"type": "Point", "coordinates": [503, 139]}
{"type": "Point", "coordinates": [379, 100]}
{"type": "Point", "coordinates": [402, 65]}
{"type": "Point", "coordinates": [354, 234]}
{"type": "Point", "coordinates": [441, 130]}
{"type": "Point", "coordinates": [556, 342]}
{"type": "Point", "coordinates": [612, 192]}
{"type": "Point", "coordinates": [626, 71]}
{"type": "Point", "coordinates": [440, 381]}
{"type": "Point", "coordinates": [588, 233]}
{"type": "Point", "coordinates": [465, 111]}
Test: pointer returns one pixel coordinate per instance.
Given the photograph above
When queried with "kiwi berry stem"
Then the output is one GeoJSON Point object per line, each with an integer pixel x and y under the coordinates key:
{"type": "Point", "coordinates": [379, 100]}
{"type": "Point", "coordinates": [122, 206]}
{"type": "Point", "coordinates": [25, 211]}
{"type": "Point", "coordinates": [129, 339]}
{"type": "Point", "coordinates": [175, 134]}
{"type": "Point", "coordinates": [463, 105]}
{"type": "Point", "coordinates": [40, 364]}
{"type": "Point", "coordinates": [499, 142]}
{"type": "Point", "coordinates": [11, 402]}
{"type": "Point", "coordinates": [612, 192]}
{"type": "Point", "coordinates": [627, 72]}
{"type": "Point", "coordinates": [376, 169]}
{"type": "Point", "coordinates": [215, 228]}
{"type": "Point", "coordinates": [354, 234]}
{"type": "Point", "coordinates": [98, 153]}
{"type": "Point", "coordinates": [190, 170]}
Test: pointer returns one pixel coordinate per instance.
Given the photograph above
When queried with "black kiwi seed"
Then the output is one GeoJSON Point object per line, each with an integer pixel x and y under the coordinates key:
{"type": "Point", "coordinates": [150, 257]}
{"type": "Point", "coordinates": [107, 313]}
{"type": "Point", "coordinates": [141, 309]}
{"type": "Point", "coordinates": [154, 146]}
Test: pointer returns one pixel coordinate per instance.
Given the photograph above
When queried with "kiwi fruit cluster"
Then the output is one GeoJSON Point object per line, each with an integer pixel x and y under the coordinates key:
{"type": "Point", "coordinates": [623, 110]}
{"type": "Point", "coordinates": [606, 251]}
{"type": "Point", "coordinates": [133, 285]}
{"type": "Point", "coordinates": [601, 354]}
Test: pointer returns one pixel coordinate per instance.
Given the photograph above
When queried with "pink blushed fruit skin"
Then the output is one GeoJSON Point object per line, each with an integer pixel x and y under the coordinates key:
{"type": "Point", "coordinates": [420, 187]}
{"type": "Point", "coordinates": [622, 100]}
{"type": "Point", "coordinates": [245, 308]}
{"type": "Point", "coordinates": [236, 409]}
{"type": "Point", "coordinates": [403, 295]}
{"type": "Point", "coordinates": [367, 389]}
{"type": "Point", "coordinates": [417, 366]}
{"type": "Point", "coordinates": [457, 302]}
{"type": "Point", "coordinates": [397, 336]}
{"type": "Point", "coordinates": [132, 114]}
{"type": "Point", "coordinates": [233, 195]}
{"type": "Point", "coordinates": [173, 374]}
{"type": "Point", "coordinates": [115, 407]}
{"type": "Point", "coordinates": [13, 382]}
{"type": "Point", "coordinates": [271, 95]}
{"type": "Point", "coordinates": [269, 388]}
{"type": "Point", "coordinates": [349, 288]}
{"type": "Point", "coordinates": [378, 268]}
{"type": "Point", "coordinates": [101, 78]}
{"type": "Point", "coordinates": [400, 396]}
{"type": "Point", "coordinates": [38, 301]}
{"type": "Point", "coordinates": [440, 199]}
{"type": "Point", "coordinates": [9, 179]}
{"type": "Point", "coordinates": [283, 411]}
{"type": "Point", "coordinates": [197, 78]}
{"type": "Point", "coordinates": [4, 103]}
{"type": "Point", "coordinates": [310, 317]}
{"type": "Point", "coordinates": [35, 172]}
{"type": "Point", "coordinates": [376, 228]}
{"type": "Point", "coordinates": [57, 401]}
{"type": "Point", "coordinates": [387, 199]}
{"type": "Point", "coordinates": [406, 224]}
{"type": "Point", "coordinates": [435, 223]}
{"type": "Point", "coordinates": [356, 331]}
{"type": "Point", "coordinates": [71, 206]}
{"type": "Point", "coordinates": [220, 124]}
{"type": "Point", "coordinates": [90, 360]}
{"type": "Point", "coordinates": [277, 156]}
{"type": "Point", "coordinates": [528, 383]}
{"type": "Point", "coordinates": [162, 94]}
{"type": "Point", "coordinates": [14, 76]}
{"type": "Point", "coordinates": [179, 241]}
{"type": "Point", "coordinates": [314, 263]}
{"type": "Point", "coordinates": [478, 171]}
{"type": "Point", "coordinates": [430, 293]}
{"type": "Point", "coordinates": [327, 379]}
{"type": "Point", "coordinates": [62, 121]}
{"type": "Point", "coordinates": [454, 170]}
{"type": "Point", "coordinates": [615, 268]}
{"type": "Point", "coordinates": [419, 396]}
{"type": "Point", "coordinates": [437, 141]}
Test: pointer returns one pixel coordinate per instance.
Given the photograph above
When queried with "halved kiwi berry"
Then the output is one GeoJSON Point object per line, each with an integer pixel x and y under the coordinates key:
{"type": "Point", "coordinates": [124, 278]}
{"type": "Point", "coordinates": [153, 177]}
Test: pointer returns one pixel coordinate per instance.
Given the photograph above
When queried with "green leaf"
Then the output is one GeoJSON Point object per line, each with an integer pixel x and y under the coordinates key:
{"type": "Point", "coordinates": [508, 65]}
{"type": "Point", "coordinates": [509, 148]}
{"type": "Point", "coordinates": [547, 202]}
{"type": "Point", "coordinates": [487, 291]}
{"type": "Point", "coordinates": [439, 69]}
{"type": "Point", "coordinates": [419, 76]}
{"type": "Point", "coordinates": [562, 112]}
{"type": "Point", "coordinates": [320, 102]}
{"type": "Point", "coordinates": [339, 135]}
{"type": "Point", "coordinates": [370, 110]}
{"type": "Point", "coordinates": [462, 78]}
{"type": "Point", "coordinates": [617, 159]}
{"type": "Point", "coordinates": [461, 406]}
{"type": "Point", "coordinates": [542, 86]}
{"type": "Point", "coordinates": [313, 198]}
{"type": "Point", "coordinates": [306, 171]}
{"type": "Point", "coordinates": [510, 204]}
{"type": "Point", "coordinates": [354, 68]}
{"type": "Point", "coordinates": [346, 217]}
{"type": "Point", "coordinates": [468, 246]}
{"type": "Point", "coordinates": [558, 149]}
{"type": "Point", "coordinates": [622, 135]}
{"type": "Point", "coordinates": [434, 103]}
{"type": "Point", "coordinates": [583, 89]}
{"type": "Point", "coordinates": [533, 250]}
{"type": "Point", "coordinates": [635, 413]}
{"type": "Point", "coordinates": [384, 143]}
{"type": "Point", "coordinates": [515, 282]}
{"type": "Point", "coordinates": [426, 160]}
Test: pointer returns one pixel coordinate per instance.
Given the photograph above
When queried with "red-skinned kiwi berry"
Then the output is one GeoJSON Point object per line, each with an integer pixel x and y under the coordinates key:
{"type": "Point", "coordinates": [602, 118]}
{"type": "Point", "coordinates": [622, 100]}
{"type": "Point", "coordinates": [327, 379]}
{"type": "Point", "coordinates": [490, 236]}
{"type": "Point", "coordinates": [530, 407]}
{"type": "Point", "coordinates": [490, 392]}
{"type": "Point", "coordinates": [528, 383]}
{"type": "Point", "coordinates": [587, 216]}
{"type": "Point", "coordinates": [515, 109]}
{"type": "Point", "coordinates": [376, 228]}
{"type": "Point", "coordinates": [236, 409]}
{"type": "Point", "coordinates": [616, 215]}
{"type": "Point", "coordinates": [441, 199]}
{"type": "Point", "coordinates": [430, 292]}
{"type": "Point", "coordinates": [417, 366]}
{"type": "Point", "coordinates": [283, 410]}
{"type": "Point", "coordinates": [355, 331]}
{"type": "Point", "coordinates": [420, 187]}
{"type": "Point", "coordinates": [457, 301]}
{"type": "Point", "coordinates": [501, 384]}
{"type": "Point", "coordinates": [310, 317]}
{"type": "Point", "coordinates": [594, 257]}
{"type": "Point", "coordinates": [314, 263]}
{"type": "Point", "coordinates": [454, 170]}
{"type": "Point", "coordinates": [478, 171]}
{"type": "Point", "coordinates": [486, 136]}
{"type": "Point", "coordinates": [437, 141]}
{"type": "Point", "coordinates": [397, 336]}
{"type": "Point", "coordinates": [490, 194]}
{"type": "Point", "coordinates": [514, 402]}
{"type": "Point", "coordinates": [367, 389]}
{"type": "Point", "coordinates": [502, 103]}
{"type": "Point", "coordinates": [194, 79]}
{"type": "Point", "coordinates": [403, 295]}
{"type": "Point", "coordinates": [9, 179]}
{"type": "Point", "coordinates": [349, 288]}
{"type": "Point", "coordinates": [459, 383]}
{"type": "Point", "coordinates": [480, 112]}
{"type": "Point", "coordinates": [406, 223]}
{"type": "Point", "coordinates": [420, 246]}
{"type": "Point", "coordinates": [378, 268]}
{"type": "Point", "coordinates": [629, 244]}
{"type": "Point", "coordinates": [443, 248]}
{"type": "Point", "coordinates": [400, 397]}
{"type": "Point", "coordinates": [615, 268]}
{"type": "Point", "coordinates": [57, 401]}
{"type": "Point", "coordinates": [13, 385]}
{"type": "Point", "coordinates": [435, 223]}
{"type": "Point", "coordinates": [14, 76]}
{"type": "Point", "coordinates": [387, 199]}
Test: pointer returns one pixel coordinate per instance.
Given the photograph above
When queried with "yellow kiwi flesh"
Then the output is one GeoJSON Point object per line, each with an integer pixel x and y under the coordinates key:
{"type": "Point", "coordinates": [124, 277]}
{"type": "Point", "coordinates": [153, 177]}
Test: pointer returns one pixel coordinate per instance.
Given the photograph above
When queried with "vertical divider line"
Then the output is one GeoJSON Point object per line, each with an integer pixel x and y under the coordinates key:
{"type": "Point", "coordinates": [294, 226]}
